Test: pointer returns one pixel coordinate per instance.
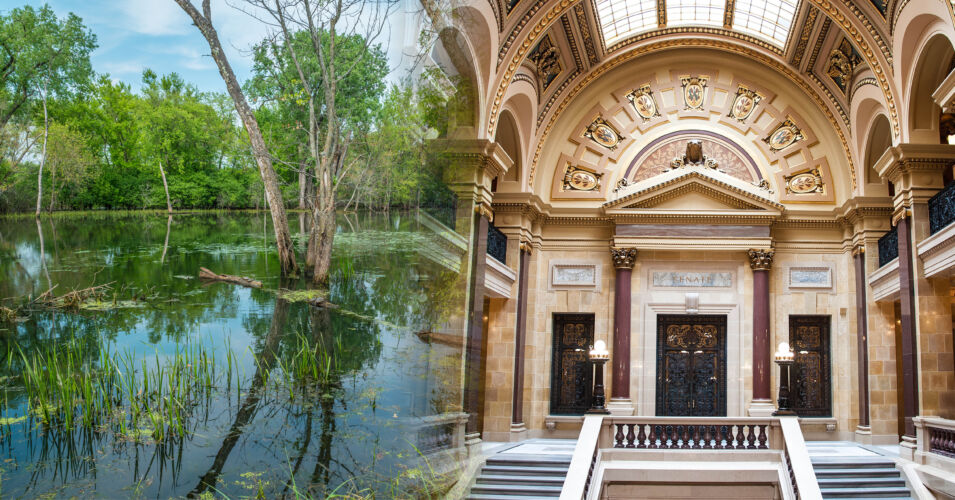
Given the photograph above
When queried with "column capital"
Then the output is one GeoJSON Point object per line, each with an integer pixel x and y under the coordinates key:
{"type": "Point", "coordinates": [485, 210]}
{"type": "Point", "coordinates": [761, 259]}
{"type": "Point", "coordinates": [623, 258]}
{"type": "Point", "coordinates": [858, 249]}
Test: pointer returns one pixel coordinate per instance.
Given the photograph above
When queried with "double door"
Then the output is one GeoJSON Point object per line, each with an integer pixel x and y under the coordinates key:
{"type": "Point", "coordinates": [691, 365]}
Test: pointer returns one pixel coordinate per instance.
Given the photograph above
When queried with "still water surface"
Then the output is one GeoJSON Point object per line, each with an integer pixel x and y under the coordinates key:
{"type": "Point", "coordinates": [350, 430]}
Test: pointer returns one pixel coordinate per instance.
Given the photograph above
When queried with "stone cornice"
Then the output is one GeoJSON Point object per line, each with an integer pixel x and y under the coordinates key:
{"type": "Point", "coordinates": [906, 158]}
{"type": "Point", "coordinates": [673, 180]}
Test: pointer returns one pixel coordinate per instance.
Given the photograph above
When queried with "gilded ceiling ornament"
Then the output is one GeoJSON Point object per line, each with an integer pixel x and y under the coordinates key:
{"type": "Point", "coordinates": [761, 260]}
{"type": "Point", "coordinates": [764, 184]}
{"type": "Point", "coordinates": [842, 61]}
{"type": "Point", "coordinates": [784, 135]}
{"type": "Point", "coordinates": [805, 182]}
{"type": "Point", "coordinates": [694, 91]}
{"type": "Point", "coordinates": [579, 179]}
{"type": "Point", "coordinates": [622, 183]}
{"type": "Point", "coordinates": [509, 5]}
{"type": "Point", "coordinates": [602, 133]}
{"type": "Point", "coordinates": [745, 103]}
{"type": "Point", "coordinates": [546, 60]}
{"type": "Point", "coordinates": [642, 101]}
{"type": "Point", "coordinates": [693, 156]}
{"type": "Point", "coordinates": [623, 258]}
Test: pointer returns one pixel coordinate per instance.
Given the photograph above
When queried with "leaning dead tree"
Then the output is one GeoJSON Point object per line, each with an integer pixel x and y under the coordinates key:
{"type": "Point", "coordinates": [283, 237]}
{"type": "Point", "coordinates": [321, 69]}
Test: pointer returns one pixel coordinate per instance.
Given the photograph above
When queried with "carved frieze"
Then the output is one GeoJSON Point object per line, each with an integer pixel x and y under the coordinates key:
{"type": "Point", "coordinates": [546, 60]}
{"type": "Point", "coordinates": [784, 135]}
{"type": "Point", "coordinates": [842, 61]}
{"type": "Point", "coordinates": [643, 103]}
{"type": "Point", "coordinates": [623, 258]}
{"type": "Point", "coordinates": [807, 182]}
{"type": "Point", "coordinates": [579, 179]}
{"type": "Point", "coordinates": [761, 260]}
{"type": "Point", "coordinates": [693, 156]}
{"type": "Point", "coordinates": [603, 133]}
{"type": "Point", "coordinates": [694, 91]}
{"type": "Point", "coordinates": [744, 103]}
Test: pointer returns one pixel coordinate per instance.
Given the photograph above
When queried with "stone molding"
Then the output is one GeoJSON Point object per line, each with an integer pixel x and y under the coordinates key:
{"type": "Point", "coordinates": [761, 260]}
{"type": "Point", "coordinates": [938, 251]}
{"type": "Point", "coordinates": [885, 282]}
{"type": "Point", "coordinates": [623, 258]}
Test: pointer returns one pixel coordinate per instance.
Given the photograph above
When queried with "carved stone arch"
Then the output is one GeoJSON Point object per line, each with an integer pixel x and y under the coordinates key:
{"type": "Point", "coordinates": [509, 137]}
{"type": "Point", "coordinates": [916, 22]}
{"type": "Point", "coordinates": [933, 62]}
{"type": "Point", "coordinates": [868, 112]}
{"type": "Point", "coordinates": [877, 141]}
{"type": "Point", "coordinates": [477, 21]}
{"type": "Point", "coordinates": [456, 57]}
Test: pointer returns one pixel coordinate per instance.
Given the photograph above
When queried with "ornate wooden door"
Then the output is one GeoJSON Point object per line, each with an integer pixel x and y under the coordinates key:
{"type": "Point", "coordinates": [691, 365]}
{"type": "Point", "coordinates": [572, 375]}
{"type": "Point", "coordinates": [811, 392]}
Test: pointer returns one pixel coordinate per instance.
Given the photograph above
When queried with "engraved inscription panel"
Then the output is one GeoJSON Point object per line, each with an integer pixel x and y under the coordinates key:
{"type": "Point", "coordinates": [680, 279]}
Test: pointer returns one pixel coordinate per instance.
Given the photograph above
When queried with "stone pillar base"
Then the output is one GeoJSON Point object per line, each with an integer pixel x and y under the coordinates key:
{"type": "Point", "coordinates": [472, 442]}
{"type": "Point", "coordinates": [863, 434]}
{"type": "Point", "coordinates": [518, 432]}
{"type": "Point", "coordinates": [761, 408]}
{"type": "Point", "coordinates": [907, 448]}
{"type": "Point", "coordinates": [620, 407]}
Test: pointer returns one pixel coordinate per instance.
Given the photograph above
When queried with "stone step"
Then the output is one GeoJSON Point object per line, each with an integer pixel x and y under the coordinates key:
{"type": "Point", "coordinates": [853, 472]}
{"type": "Point", "coordinates": [525, 480]}
{"type": "Point", "coordinates": [523, 461]}
{"type": "Point", "coordinates": [510, 497]}
{"type": "Point", "coordinates": [860, 482]}
{"type": "Point", "coordinates": [515, 490]}
{"type": "Point", "coordinates": [869, 498]}
{"type": "Point", "coordinates": [887, 492]}
{"type": "Point", "coordinates": [521, 470]}
{"type": "Point", "coordinates": [842, 463]}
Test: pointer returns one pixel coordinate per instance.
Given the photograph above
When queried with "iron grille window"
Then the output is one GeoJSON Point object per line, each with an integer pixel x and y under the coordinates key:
{"type": "Point", "coordinates": [941, 209]}
{"type": "Point", "coordinates": [889, 246]}
{"type": "Point", "coordinates": [496, 244]}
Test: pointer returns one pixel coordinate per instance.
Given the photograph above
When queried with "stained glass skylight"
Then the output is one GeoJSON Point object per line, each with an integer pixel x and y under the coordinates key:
{"type": "Point", "coordinates": [766, 19]}
{"type": "Point", "coordinates": [620, 19]}
{"type": "Point", "coordinates": [695, 12]}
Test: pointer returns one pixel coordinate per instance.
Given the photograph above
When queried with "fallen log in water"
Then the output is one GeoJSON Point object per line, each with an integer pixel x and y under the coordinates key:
{"type": "Point", "coordinates": [238, 280]}
{"type": "Point", "coordinates": [320, 302]}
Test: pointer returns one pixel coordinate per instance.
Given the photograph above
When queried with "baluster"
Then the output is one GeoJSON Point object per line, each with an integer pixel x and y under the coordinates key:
{"type": "Point", "coordinates": [653, 437]}
{"type": "Point", "coordinates": [641, 436]}
{"type": "Point", "coordinates": [707, 435]}
{"type": "Point", "coordinates": [618, 437]}
{"type": "Point", "coordinates": [762, 437]}
{"type": "Point", "coordinates": [950, 442]}
{"type": "Point", "coordinates": [720, 433]}
{"type": "Point", "coordinates": [630, 435]}
{"type": "Point", "coordinates": [739, 437]}
{"type": "Point", "coordinates": [697, 437]}
{"type": "Point", "coordinates": [751, 438]}
{"type": "Point", "coordinates": [671, 440]}
{"type": "Point", "coordinates": [686, 437]}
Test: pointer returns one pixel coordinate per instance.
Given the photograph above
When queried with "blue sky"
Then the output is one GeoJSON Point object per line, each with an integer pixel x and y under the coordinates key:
{"type": "Point", "coordinates": [138, 34]}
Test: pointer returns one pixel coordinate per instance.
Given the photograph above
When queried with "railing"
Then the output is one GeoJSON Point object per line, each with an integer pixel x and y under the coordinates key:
{"type": "Point", "coordinates": [936, 435]}
{"type": "Point", "coordinates": [496, 244]}
{"type": "Point", "coordinates": [732, 435]}
{"type": "Point", "coordinates": [941, 209]}
{"type": "Point", "coordinates": [889, 246]}
{"type": "Point", "coordinates": [686, 435]}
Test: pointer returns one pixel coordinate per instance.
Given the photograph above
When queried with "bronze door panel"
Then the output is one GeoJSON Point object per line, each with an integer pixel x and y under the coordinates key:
{"type": "Point", "coordinates": [572, 375]}
{"type": "Point", "coordinates": [810, 394]}
{"type": "Point", "coordinates": [691, 365]}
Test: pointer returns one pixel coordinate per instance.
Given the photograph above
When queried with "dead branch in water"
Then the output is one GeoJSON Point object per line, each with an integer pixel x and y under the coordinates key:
{"type": "Point", "coordinates": [73, 299]}
{"type": "Point", "coordinates": [238, 280]}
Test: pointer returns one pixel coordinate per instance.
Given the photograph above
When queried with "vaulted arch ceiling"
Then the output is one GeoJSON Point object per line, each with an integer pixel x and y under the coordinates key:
{"type": "Point", "coordinates": [792, 32]}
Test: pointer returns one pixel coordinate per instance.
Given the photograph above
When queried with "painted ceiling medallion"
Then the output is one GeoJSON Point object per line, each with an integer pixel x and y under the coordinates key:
{"type": "Point", "coordinates": [642, 101]}
{"type": "Point", "coordinates": [745, 103]}
{"type": "Point", "coordinates": [602, 133]}
{"type": "Point", "coordinates": [805, 183]}
{"type": "Point", "coordinates": [578, 179]}
{"type": "Point", "coordinates": [694, 91]}
{"type": "Point", "coordinates": [783, 136]}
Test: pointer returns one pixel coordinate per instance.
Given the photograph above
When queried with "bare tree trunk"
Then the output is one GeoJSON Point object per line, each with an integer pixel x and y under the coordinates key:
{"type": "Point", "coordinates": [52, 186]}
{"type": "Point", "coordinates": [46, 132]}
{"type": "Point", "coordinates": [166, 187]}
{"type": "Point", "coordinates": [283, 236]}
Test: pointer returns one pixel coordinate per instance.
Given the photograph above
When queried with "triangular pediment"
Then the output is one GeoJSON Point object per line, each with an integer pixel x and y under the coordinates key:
{"type": "Point", "coordinates": [690, 190]}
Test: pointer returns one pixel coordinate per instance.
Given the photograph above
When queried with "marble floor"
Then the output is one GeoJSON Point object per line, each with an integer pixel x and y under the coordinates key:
{"type": "Point", "coordinates": [850, 449]}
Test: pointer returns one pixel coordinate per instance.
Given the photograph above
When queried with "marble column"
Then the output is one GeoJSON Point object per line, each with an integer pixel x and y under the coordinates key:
{"type": "Point", "coordinates": [517, 402]}
{"type": "Point", "coordinates": [761, 261]}
{"type": "Point", "coordinates": [910, 382]}
{"type": "Point", "coordinates": [623, 261]}
{"type": "Point", "coordinates": [474, 355]}
{"type": "Point", "coordinates": [862, 339]}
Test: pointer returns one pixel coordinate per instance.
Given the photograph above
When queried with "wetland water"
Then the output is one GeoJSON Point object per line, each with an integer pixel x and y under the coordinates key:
{"type": "Point", "coordinates": [166, 386]}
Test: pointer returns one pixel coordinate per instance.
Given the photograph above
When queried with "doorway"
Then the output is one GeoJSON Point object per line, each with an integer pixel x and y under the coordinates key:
{"type": "Point", "coordinates": [571, 383]}
{"type": "Point", "coordinates": [691, 365]}
{"type": "Point", "coordinates": [811, 392]}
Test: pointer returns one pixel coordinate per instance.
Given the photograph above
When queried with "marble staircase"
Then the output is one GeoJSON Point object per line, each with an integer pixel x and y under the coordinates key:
{"type": "Point", "coordinates": [532, 470]}
{"type": "Point", "coordinates": [846, 471]}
